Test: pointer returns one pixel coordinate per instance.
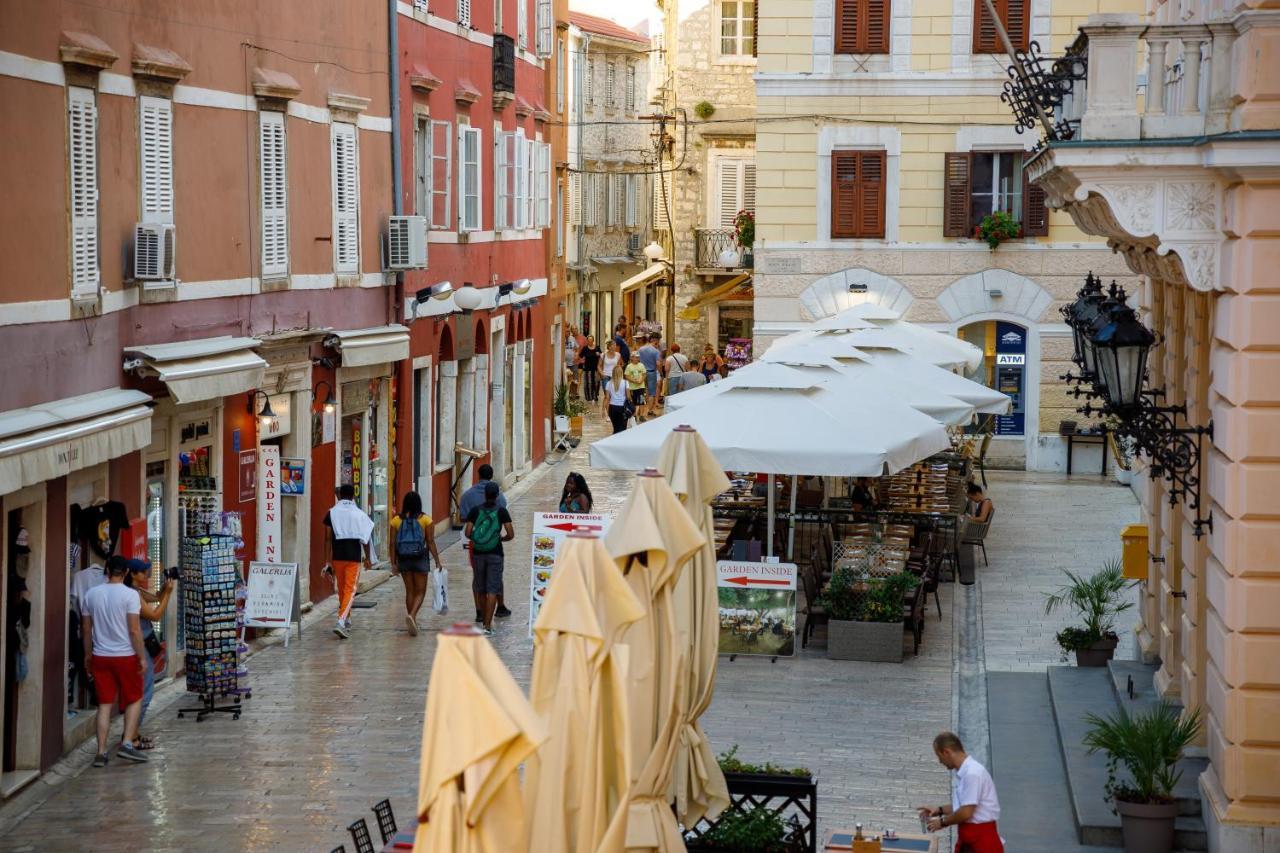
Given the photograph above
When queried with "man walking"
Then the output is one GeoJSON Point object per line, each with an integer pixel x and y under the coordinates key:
{"type": "Point", "coordinates": [651, 358]}
{"type": "Point", "coordinates": [472, 498]}
{"type": "Point", "coordinates": [620, 338]}
{"type": "Point", "coordinates": [112, 630]}
{"type": "Point", "coordinates": [345, 549]}
{"type": "Point", "coordinates": [974, 808]}
{"type": "Point", "coordinates": [488, 526]}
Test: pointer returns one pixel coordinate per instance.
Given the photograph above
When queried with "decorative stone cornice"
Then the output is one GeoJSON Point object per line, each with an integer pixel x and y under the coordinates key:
{"type": "Point", "coordinates": [347, 103]}
{"type": "Point", "coordinates": [86, 49]}
{"type": "Point", "coordinates": [159, 62]}
{"type": "Point", "coordinates": [465, 92]}
{"type": "Point", "coordinates": [269, 83]}
{"type": "Point", "coordinates": [523, 108]}
{"type": "Point", "coordinates": [422, 80]}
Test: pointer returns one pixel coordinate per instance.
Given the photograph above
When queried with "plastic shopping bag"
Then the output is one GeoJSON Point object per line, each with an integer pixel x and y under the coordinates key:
{"type": "Point", "coordinates": [440, 602]}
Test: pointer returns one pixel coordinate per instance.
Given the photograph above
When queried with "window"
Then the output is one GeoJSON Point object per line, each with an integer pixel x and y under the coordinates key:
{"type": "Point", "coordinates": [440, 179]}
{"type": "Point", "coordinates": [982, 182]}
{"type": "Point", "coordinates": [1016, 17]}
{"type": "Point", "coordinates": [862, 26]}
{"type": "Point", "coordinates": [633, 192]}
{"type": "Point", "coordinates": [422, 166]}
{"type": "Point", "coordinates": [631, 87]}
{"type": "Point", "coordinates": [857, 193]}
{"type": "Point", "coordinates": [737, 28]}
{"type": "Point", "coordinates": [82, 133]}
{"type": "Point", "coordinates": [274, 190]}
{"type": "Point", "coordinates": [541, 194]}
{"type": "Point", "coordinates": [592, 198]}
{"type": "Point", "coordinates": [617, 199]}
{"type": "Point", "coordinates": [546, 33]}
{"type": "Point", "coordinates": [589, 84]}
{"type": "Point", "coordinates": [662, 200]}
{"type": "Point", "coordinates": [522, 23]}
{"type": "Point", "coordinates": [464, 13]}
{"type": "Point", "coordinates": [504, 155]}
{"type": "Point", "coordinates": [559, 211]}
{"type": "Point", "coordinates": [346, 200]}
{"type": "Point", "coordinates": [575, 198]}
{"type": "Point", "coordinates": [469, 178]}
{"type": "Point", "coordinates": [155, 150]}
{"type": "Point", "coordinates": [521, 153]}
{"type": "Point", "coordinates": [561, 79]}
{"type": "Point", "coordinates": [610, 98]}
{"type": "Point", "coordinates": [734, 190]}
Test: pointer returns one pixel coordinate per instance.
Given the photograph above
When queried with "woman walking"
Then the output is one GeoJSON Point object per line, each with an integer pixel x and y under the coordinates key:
{"type": "Point", "coordinates": [414, 539]}
{"type": "Point", "coordinates": [576, 497]}
{"type": "Point", "coordinates": [589, 358]}
{"type": "Point", "coordinates": [615, 399]}
{"type": "Point", "coordinates": [612, 358]}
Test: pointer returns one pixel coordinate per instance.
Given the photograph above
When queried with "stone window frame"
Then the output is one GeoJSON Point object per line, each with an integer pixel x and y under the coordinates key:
{"type": "Point", "coordinates": [728, 58]}
{"type": "Point", "coordinates": [849, 138]}
{"type": "Point", "coordinates": [827, 61]}
{"type": "Point", "coordinates": [962, 56]}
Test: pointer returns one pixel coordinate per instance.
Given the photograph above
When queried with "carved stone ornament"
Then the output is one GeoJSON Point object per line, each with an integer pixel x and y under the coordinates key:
{"type": "Point", "coordinates": [1165, 218]}
{"type": "Point", "coordinates": [86, 49]}
{"type": "Point", "coordinates": [159, 62]}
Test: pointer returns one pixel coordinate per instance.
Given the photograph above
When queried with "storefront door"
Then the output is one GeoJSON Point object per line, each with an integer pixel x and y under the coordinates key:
{"type": "Point", "coordinates": [508, 419]}
{"type": "Point", "coordinates": [23, 598]}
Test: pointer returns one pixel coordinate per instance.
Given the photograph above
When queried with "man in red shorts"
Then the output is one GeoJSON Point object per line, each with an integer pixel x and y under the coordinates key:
{"type": "Point", "coordinates": [112, 633]}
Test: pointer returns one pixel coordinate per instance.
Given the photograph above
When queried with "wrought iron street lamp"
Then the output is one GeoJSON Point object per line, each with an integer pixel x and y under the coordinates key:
{"type": "Point", "coordinates": [1120, 351]}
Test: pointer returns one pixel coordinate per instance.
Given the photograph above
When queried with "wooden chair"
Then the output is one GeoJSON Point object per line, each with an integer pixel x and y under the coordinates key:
{"type": "Point", "coordinates": [975, 533]}
{"type": "Point", "coordinates": [360, 835]}
{"type": "Point", "coordinates": [386, 820]}
{"type": "Point", "coordinates": [913, 615]}
{"type": "Point", "coordinates": [814, 613]}
{"type": "Point", "coordinates": [982, 457]}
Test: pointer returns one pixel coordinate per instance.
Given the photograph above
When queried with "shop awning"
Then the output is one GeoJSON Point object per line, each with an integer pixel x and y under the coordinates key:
{"type": "Point", "coordinates": [715, 294]}
{"type": "Point", "coordinates": [53, 439]}
{"type": "Point", "coordinates": [652, 273]}
{"type": "Point", "coordinates": [204, 369]}
{"type": "Point", "coordinates": [605, 260]}
{"type": "Point", "coordinates": [378, 345]}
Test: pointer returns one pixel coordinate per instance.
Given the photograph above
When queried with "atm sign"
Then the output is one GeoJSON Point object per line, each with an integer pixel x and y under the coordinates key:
{"type": "Point", "coordinates": [1007, 358]}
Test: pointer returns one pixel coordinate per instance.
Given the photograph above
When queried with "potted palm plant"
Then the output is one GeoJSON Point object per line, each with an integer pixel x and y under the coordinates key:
{"type": "Point", "coordinates": [866, 615]}
{"type": "Point", "coordinates": [1149, 747]}
{"type": "Point", "coordinates": [566, 405]}
{"type": "Point", "coordinates": [1098, 599]}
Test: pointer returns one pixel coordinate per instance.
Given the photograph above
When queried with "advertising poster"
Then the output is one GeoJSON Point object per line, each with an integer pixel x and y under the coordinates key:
{"type": "Point", "coordinates": [293, 477]}
{"type": "Point", "coordinates": [270, 537]}
{"type": "Point", "coordinates": [270, 595]}
{"type": "Point", "coordinates": [248, 475]}
{"type": "Point", "coordinates": [757, 608]}
{"type": "Point", "coordinates": [549, 530]}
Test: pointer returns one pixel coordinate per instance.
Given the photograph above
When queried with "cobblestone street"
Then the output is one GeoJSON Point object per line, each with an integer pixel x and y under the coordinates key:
{"type": "Point", "coordinates": [334, 726]}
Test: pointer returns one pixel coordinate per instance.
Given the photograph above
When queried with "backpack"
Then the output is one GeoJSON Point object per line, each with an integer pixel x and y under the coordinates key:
{"type": "Point", "coordinates": [410, 543]}
{"type": "Point", "coordinates": [486, 531]}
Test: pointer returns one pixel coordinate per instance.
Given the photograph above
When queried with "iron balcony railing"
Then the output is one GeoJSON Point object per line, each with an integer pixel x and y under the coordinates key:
{"type": "Point", "coordinates": [710, 242]}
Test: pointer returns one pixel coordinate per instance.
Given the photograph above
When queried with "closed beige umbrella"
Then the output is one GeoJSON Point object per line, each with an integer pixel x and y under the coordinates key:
{"type": "Point", "coordinates": [651, 539]}
{"type": "Point", "coordinates": [478, 729]}
{"type": "Point", "coordinates": [577, 779]}
{"type": "Point", "coordinates": [698, 785]}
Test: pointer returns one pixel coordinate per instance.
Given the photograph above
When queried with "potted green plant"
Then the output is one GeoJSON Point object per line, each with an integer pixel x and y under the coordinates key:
{"type": "Point", "coordinates": [866, 614]}
{"type": "Point", "coordinates": [1149, 747]}
{"type": "Point", "coordinates": [1098, 599]}
{"type": "Point", "coordinates": [744, 234]}
{"type": "Point", "coordinates": [760, 794]}
{"type": "Point", "coordinates": [565, 405]}
{"type": "Point", "coordinates": [998, 227]}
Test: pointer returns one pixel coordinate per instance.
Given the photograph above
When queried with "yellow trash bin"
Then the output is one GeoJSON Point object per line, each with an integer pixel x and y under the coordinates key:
{"type": "Point", "coordinates": [1135, 550]}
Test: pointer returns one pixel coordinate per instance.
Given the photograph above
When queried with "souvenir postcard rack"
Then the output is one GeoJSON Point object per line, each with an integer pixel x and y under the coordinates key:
{"type": "Point", "coordinates": [211, 591]}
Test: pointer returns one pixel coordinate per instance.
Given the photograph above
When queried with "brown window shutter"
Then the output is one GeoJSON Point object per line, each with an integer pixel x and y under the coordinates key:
{"type": "Point", "coordinates": [877, 28]}
{"type": "Point", "coordinates": [755, 28]}
{"type": "Point", "coordinates": [1035, 213]}
{"type": "Point", "coordinates": [844, 193]}
{"type": "Point", "coordinates": [871, 184]}
{"type": "Point", "coordinates": [847, 26]}
{"type": "Point", "coordinates": [1017, 21]}
{"type": "Point", "coordinates": [985, 37]}
{"type": "Point", "coordinates": [955, 195]}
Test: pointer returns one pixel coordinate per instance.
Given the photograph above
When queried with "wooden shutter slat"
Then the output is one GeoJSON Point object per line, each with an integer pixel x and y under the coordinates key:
{"type": "Point", "coordinates": [955, 195]}
{"type": "Point", "coordinates": [1035, 212]}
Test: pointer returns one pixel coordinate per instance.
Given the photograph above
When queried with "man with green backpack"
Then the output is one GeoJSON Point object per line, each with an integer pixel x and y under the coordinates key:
{"type": "Point", "coordinates": [488, 526]}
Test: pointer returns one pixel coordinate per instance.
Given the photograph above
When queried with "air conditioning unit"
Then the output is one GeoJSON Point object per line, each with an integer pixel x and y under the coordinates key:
{"type": "Point", "coordinates": [154, 246]}
{"type": "Point", "coordinates": [407, 242]}
{"type": "Point", "coordinates": [633, 242]}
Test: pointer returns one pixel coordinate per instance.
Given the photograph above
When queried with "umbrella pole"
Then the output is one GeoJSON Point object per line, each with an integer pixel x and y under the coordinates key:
{"type": "Point", "coordinates": [773, 511]}
{"type": "Point", "coordinates": [791, 532]}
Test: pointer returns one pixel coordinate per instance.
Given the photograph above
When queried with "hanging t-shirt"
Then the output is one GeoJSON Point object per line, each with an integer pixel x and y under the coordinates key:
{"type": "Point", "coordinates": [101, 524]}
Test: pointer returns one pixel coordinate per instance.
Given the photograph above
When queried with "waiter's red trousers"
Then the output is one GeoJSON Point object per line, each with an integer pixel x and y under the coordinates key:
{"type": "Point", "coordinates": [979, 838]}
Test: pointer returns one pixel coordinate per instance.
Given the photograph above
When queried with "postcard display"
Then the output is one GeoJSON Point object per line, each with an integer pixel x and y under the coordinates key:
{"type": "Point", "coordinates": [213, 598]}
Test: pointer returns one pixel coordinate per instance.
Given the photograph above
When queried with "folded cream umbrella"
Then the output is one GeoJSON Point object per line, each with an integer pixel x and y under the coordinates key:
{"type": "Point", "coordinates": [478, 728]}
{"type": "Point", "coordinates": [577, 779]}
{"type": "Point", "coordinates": [651, 539]}
{"type": "Point", "coordinates": [697, 783]}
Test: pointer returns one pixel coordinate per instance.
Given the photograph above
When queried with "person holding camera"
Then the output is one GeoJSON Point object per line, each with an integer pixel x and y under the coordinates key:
{"type": "Point", "coordinates": [151, 611]}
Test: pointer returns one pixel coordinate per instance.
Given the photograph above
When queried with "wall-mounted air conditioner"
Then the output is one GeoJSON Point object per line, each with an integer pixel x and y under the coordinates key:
{"type": "Point", "coordinates": [154, 248]}
{"type": "Point", "coordinates": [407, 242]}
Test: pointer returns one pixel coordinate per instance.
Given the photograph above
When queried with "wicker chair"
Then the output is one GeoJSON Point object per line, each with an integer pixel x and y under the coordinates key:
{"type": "Point", "coordinates": [975, 533]}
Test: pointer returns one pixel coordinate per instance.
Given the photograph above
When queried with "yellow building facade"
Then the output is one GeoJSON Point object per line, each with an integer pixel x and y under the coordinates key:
{"type": "Point", "coordinates": [881, 146]}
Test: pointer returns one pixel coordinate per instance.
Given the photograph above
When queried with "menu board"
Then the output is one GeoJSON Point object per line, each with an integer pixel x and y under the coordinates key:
{"type": "Point", "coordinates": [549, 530]}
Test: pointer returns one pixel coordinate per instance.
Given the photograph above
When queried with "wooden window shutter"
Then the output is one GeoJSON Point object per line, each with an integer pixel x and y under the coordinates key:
{"type": "Point", "coordinates": [1017, 22]}
{"type": "Point", "coordinates": [955, 195]}
{"type": "Point", "coordinates": [755, 28]}
{"type": "Point", "coordinates": [877, 27]}
{"type": "Point", "coordinates": [1016, 16]}
{"type": "Point", "coordinates": [844, 193]}
{"type": "Point", "coordinates": [1035, 213]}
{"type": "Point", "coordinates": [871, 180]}
{"type": "Point", "coordinates": [862, 26]}
{"type": "Point", "coordinates": [847, 26]}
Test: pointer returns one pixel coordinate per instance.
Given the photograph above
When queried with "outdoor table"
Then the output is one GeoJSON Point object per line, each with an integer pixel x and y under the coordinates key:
{"type": "Point", "coordinates": [906, 842]}
{"type": "Point", "coordinates": [1088, 436]}
{"type": "Point", "coordinates": [399, 842]}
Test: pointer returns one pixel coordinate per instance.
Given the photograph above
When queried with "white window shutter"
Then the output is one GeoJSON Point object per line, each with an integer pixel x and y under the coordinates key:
{"type": "Point", "coordinates": [631, 87]}
{"type": "Point", "coordinates": [346, 199]}
{"type": "Point", "coordinates": [441, 175]}
{"type": "Point", "coordinates": [558, 212]}
{"type": "Point", "coordinates": [502, 167]}
{"type": "Point", "coordinates": [521, 153]}
{"type": "Point", "coordinates": [728, 191]}
{"type": "Point", "coordinates": [82, 131]}
{"type": "Point", "coordinates": [480, 401]}
{"type": "Point", "coordinates": [464, 12]}
{"type": "Point", "coordinates": [542, 187]}
{"type": "Point", "coordinates": [609, 73]}
{"type": "Point", "coordinates": [422, 167]}
{"type": "Point", "coordinates": [632, 182]}
{"type": "Point", "coordinates": [749, 186]}
{"type": "Point", "coordinates": [522, 22]}
{"type": "Point", "coordinates": [619, 199]}
{"type": "Point", "coordinates": [546, 32]}
{"type": "Point", "coordinates": [661, 187]}
{"type": "Point", "coordinates": [155, 150]}
{"type": "Point", "coordinates": [561, 76]}
{"type": "Point", "coordinates": [589, 84]}
{"type": "Point", "coordinates": [469, 194]}
{"type": "Point", "coordinates": [274, 191]}
{"type": "Point", "coordinates": [606, 200]}
{"type": "Point", "coordinates": [575, 198]}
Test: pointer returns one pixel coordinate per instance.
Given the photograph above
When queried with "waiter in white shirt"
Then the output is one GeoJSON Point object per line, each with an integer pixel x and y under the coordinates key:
{"type": "Point", "coordinates": [974, 807]}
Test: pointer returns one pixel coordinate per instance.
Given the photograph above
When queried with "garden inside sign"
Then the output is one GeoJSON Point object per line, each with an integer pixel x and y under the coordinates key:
{"type": "Point", "coordinates": [757, 608]}
{"type": "Point", "coordinates": [549, 530]}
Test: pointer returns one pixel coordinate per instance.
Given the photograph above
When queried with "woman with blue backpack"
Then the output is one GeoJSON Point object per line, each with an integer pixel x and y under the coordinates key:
{"type": "Point", "coordinates": [415, 546]}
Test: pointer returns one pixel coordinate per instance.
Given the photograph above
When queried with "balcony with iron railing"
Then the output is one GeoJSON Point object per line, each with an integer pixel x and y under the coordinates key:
{"type": "Point", "coordinates": [711, 243]}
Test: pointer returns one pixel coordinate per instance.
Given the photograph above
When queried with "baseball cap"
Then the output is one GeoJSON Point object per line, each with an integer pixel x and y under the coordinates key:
{"type": "Point", "coordinates": [136, 565]}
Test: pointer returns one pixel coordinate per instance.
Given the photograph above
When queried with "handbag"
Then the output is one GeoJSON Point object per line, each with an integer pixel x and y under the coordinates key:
{"type": "Point", "coordinates": [440, 601]}
{"type": "Point", "coordinates": [153, 646]}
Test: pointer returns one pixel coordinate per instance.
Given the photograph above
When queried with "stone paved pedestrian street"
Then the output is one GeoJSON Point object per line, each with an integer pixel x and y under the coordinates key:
{"type": "Point", "coordinates": [335, 726]}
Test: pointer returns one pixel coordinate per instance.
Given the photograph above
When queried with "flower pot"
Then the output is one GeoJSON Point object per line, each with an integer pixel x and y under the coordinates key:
{"type": "Point", "coordinates": [575, 425]}
{"type": "Point", "coordinates": [1099, 653]}
{"type": "Point", "coordinates": [1147, 827]}
{"type": "Point", "coordinates": [875, 641]}
{"type": "Point", "coordinates": [748, 260]}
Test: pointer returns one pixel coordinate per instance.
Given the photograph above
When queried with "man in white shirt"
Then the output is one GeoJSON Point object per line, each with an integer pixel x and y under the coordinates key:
{"type": "Point", "coordinates": [974, 808]}
{"type": "Point", "coordinates": [112, 630]}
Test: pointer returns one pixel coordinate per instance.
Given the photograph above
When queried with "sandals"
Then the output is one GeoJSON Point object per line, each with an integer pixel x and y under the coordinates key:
{"type": "Point", "coordinates": [144, 743]}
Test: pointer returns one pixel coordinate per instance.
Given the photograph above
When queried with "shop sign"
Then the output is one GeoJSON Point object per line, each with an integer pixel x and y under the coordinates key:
{"type": "Point", "coordinates": [248, 475]}
{"type": "Point", "coordinates": [1010, 358]}
{"type": "Point", "coordinates": [270, 544]}
{"type": "Point", "coordinates": [282, 423]}
{"type": "Point", "coordinates": [549, 530]}
{"type": "Point", "coordinates": [293, 477]}
{"type": "Point", "coordinates": [271, 597]}
{"type": "Point", "coordinates": [355, 397]}
{"type": "Point", "coordinates": [756, 608]}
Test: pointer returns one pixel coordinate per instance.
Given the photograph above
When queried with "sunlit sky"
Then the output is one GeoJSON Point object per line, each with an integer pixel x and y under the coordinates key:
{"type": "Point", "coordinates": [625, 12]}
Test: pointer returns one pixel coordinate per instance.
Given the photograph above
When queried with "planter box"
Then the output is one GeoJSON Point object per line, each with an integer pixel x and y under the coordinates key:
{"type": "Point", "coordinates": [789, 796]}
{"type": "Point", "coordinates": [877, 641]}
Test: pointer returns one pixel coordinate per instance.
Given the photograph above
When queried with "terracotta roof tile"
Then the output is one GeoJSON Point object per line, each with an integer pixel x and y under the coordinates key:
{"type": "Point", "coordinates": [605, 27]}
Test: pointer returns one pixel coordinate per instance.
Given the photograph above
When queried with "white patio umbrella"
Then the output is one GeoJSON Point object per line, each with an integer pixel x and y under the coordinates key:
{"type": "Point", "coordinates": [871, 326]}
